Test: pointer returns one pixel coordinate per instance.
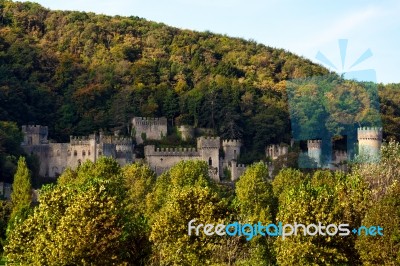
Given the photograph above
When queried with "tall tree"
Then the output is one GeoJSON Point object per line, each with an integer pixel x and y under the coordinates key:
{"type": "Point", "coordinates": [21, 196]}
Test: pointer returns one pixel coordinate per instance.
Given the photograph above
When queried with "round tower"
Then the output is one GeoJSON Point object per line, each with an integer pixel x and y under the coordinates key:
{"type": "Point", "coordinates": [231, 149]}
{"type": "Point", "coordinates": [314, 150]}
{"type": "Point", "coordinates": [369, 141]}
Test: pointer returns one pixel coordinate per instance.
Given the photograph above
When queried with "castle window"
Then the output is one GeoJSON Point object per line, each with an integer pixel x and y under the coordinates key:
{"type": "Point", "coordinates": [100, 153]}
{"type": "Point", "coordinates": [75, 153]}
{"type": "Point", "coordinates": [79, 163]}
{"type": "Point", "coordinates": [88, 153]}
{"type": "Point", "coordinates": [83, 153]}
{"type": "Point", "coordinates": [234, 154]}
{"type": "Point", "coordinates": [58, 153]}
{"type": "Point", "coordinates": [209, 161]}
{"type": "Point", "coordinates": [161, 159]}
{"type": "Point", "coordinates": [69, 153]}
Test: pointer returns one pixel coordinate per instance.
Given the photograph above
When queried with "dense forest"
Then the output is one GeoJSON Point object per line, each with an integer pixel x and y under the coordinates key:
{"type": "Point", "coordinates": [79, 72]}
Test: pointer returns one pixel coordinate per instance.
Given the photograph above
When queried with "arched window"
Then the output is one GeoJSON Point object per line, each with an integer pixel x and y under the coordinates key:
{"type": "Point", "coordinates": [75, 153]}
{"type": "Point", "coordinates": [88, 153]}
{"type": "Point", "coordinates": [58, 153]}
{"type": "Point", "coordinates": [209, 161]}
{"type": "Point", "coordinates": [83, 153]}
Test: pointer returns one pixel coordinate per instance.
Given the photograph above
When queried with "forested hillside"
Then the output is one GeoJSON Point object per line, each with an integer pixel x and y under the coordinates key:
{"type": "Point", "coordinates": [79, 72]}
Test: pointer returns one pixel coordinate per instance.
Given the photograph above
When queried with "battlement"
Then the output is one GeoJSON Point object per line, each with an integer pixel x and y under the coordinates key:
{"type": "Point", "coordinates": [208, 143]}
{"type": "Point", "coordinates": [35, 129]}
{"type": "Point", "coordinates": [241, 166]}
{"type": "Point", "coordinates": [181, 152]}
{"type": "Point", "coordinates": [144, 121]}
{"type": "Point", "coordinates": [369, 133]}
{"type": "Point", "coordinates": [115, 140]}
{"type": "Point", "coordinates": [81, 140]}
{"type": "Point", "coordinates": [314, 144]}
{"type": "Point", "coordinates": [232, 142]}
{"type": "Point", "coordinates": [274, 150]}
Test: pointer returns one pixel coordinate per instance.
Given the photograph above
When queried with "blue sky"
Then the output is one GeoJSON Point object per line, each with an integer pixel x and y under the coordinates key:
{"type": "Point", "coordinates": [302, 27]}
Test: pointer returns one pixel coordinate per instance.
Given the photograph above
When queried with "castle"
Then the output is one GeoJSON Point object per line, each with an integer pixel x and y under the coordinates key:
{"type": "Point", "coordinates": [208, 150]}
{"type": "Point", "coordinates": [56, 157]}
{"type": "Point", "coordinates": [369, 144]}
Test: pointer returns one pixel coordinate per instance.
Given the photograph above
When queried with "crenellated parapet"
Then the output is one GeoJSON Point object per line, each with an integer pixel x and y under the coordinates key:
{"type": "Point", "coordinates": [116, 140]}
{"type": "Point", "coordinates": [148, 121]}
{"type": "Point", "coordinates": [150, 150]}
{"type": "Point", "coordinates": [35, 129]}
{"type": "Point", "coordinates": [314, 144]}
{"type": "Point", "coordinates": [81, 140]}
{"type": "Point", "coordinates": [208, 143]}
{"type": "Point", "coordinates": [231, 143]}
{"type": "Point", "coordinates": [369, 133]}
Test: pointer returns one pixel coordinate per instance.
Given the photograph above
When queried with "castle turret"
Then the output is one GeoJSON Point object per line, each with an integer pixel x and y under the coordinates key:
{"type": "Point", "coordinates": [231, 149]}
{"type": "Point", "coordinates": [208, 148]}
{"type": "Point", "coordinates": [314, 150]}
{"type": "Point", "coordinates": [35, 135]}
{"type": "Point", "coordinates": [369, 141]}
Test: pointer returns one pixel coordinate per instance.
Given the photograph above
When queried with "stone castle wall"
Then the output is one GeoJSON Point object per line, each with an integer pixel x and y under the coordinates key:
{"type": "Point", "coordinates": [274, 151]}
{"type": "Point", "coordinates": [35, 135]}
{"type": "Point", "coordinates": [152, 128]}
{"type": "Point", "coordinates": [187, 132]}
{"type": "Point", "coordinates": [54, 158]}
{"type": "Point", "coordinates": [161, 160]}
{"type": "Point", "coordinates": [237, 170]}
{"type": "Point", "coordinates": [231, 149]}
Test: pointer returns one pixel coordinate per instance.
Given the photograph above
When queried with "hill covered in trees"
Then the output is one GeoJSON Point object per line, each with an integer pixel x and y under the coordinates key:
{"type": "Point", "coordinates": [79, 72]}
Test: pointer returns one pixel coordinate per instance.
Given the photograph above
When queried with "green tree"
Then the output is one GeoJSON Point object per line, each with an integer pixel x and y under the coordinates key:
{"type": "Point", "coordinates": [256, 203]}
{"type": "Point", "coordinates": [82, 220]}
{"type": "Point", "coordinates": [326, 198]}
{"type": "Point", "coordinates": [21, 196]}
{"type": "Point", "coordinates": [382, 250]}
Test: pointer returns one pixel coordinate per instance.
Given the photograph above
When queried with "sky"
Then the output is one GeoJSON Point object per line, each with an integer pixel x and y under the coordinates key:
{"type": "Point", "coordinates": [306, 28]}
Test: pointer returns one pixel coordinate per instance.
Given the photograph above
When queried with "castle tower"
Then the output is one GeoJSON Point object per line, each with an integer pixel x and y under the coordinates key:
{"type": "Point", "coordinates": [208, 148]}
{"type": "Point", "coordinates": [231, 149]}
{"type": "Point", "coordinates": [369, 141]}
{"type": "Point", "coordinates": [145, 128]}
{"type": "Point", "coordinates": [314, 150]}
{"type": "Point", "coordinates": [273, 151]}
{"type": "Point", "coordinates": [35, 135]}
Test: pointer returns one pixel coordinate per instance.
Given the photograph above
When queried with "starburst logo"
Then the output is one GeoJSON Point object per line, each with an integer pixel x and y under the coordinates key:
{"type": "Point", "coordinates": [348, 73]}
{"type": "Point", "coordinates": [333, 107]}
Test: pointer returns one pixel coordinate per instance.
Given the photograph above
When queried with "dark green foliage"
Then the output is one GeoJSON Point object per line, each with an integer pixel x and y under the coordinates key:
{"type": "Point", "coordinates": [78, 72]}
